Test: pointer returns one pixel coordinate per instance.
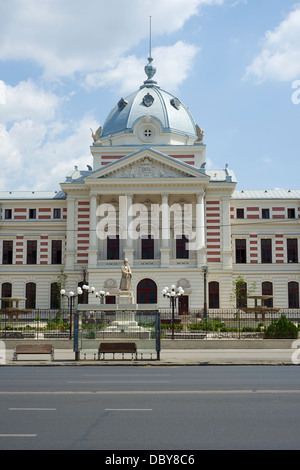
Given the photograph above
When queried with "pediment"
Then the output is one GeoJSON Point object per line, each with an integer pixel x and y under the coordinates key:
{"type": "Point", "coordinates": [148, 164]}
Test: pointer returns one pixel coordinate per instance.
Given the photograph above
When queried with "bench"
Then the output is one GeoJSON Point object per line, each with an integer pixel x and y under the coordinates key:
{"type": "Point", "coordinates": [34, 349]}
{"type": "Point", "coordinates": [114, 348]}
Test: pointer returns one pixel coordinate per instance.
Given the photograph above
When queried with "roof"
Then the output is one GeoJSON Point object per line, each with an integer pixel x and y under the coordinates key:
{"type": "Point", "coordinates": [31, 195]}
{"type": "Point", "coordinates": [267, 194]}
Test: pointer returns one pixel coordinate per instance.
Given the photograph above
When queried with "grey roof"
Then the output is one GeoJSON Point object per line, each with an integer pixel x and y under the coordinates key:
{"type": "Point", "coordinates": [31, 195]}
{"type": "Point", "coordinates": [267, 194]}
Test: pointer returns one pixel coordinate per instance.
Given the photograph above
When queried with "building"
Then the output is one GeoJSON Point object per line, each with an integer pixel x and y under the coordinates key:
{"type": "Point", "coordinates": [149, 198]}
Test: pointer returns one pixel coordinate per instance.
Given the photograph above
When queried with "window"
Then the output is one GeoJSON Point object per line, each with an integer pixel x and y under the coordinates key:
{"type": "Point", "coordinates": [292, 250]}
{"type": "Point", "coordinates": [32, 213]}
{"type": "Point", "coordinates": [146, 292]}
{"type": "Point", "coordinates": [56, 257]}
{"type": "Point", "coordinates": [7, 214]}
{"type": "Point", "coordinates": [54, 296]}
{"type": "Point", "coordinates": [30, 295]}
{"type": "Point", "coordinates": [265, 213]}
{"type": "Point", "coordinates": [148, 247]}
{"type": "Point", "coordinates": [267, 289]}
{"type": "Point", "coordinates": [266, 250]}
{"type": "Point", "coordinates": [181, 251]}
{"type": "Point", "coordinates": [240, 213]}
{"type": "Point", "coordinates": [240, 251]}
{"type": "Point", "coordinates": [183, 305]}
{"type": "Point", "coordinates": [56, 213]}
{"type": "Point", "coordinates": [31, 252]}
{"type": "Point", "coordinates": [291, 213]}
{"type": "Point", "coordinates": [113, 247]}
{"type": "Point", "coordinates": [293, 294]}
{"type": "Point", "coordinates": [110, 299]}
{"type": "Point", "coordinates": [213, 295]}
{"type": "Point", "coordinates": [6, 292]}
{"type": "Point", "coordinates": [7, 254]}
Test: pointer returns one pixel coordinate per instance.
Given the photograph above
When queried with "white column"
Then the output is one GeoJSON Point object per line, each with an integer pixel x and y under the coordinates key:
{"type": "Point", "coordinates": [165, 232]}
{"type": "Point", "coordinates": [200, 230]}
{"type": "Point", "coordinates": [128, 250]}
{"type": "Point", "coordinates": [93, 248]}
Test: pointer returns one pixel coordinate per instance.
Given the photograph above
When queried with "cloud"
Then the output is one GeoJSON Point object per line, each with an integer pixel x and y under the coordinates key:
{"type": "Point", "coordinates": [173, 65]}
{"type": "Point", "coordinates": [75, 36]}
{"type": "Point", "coordinates": [279, 59]}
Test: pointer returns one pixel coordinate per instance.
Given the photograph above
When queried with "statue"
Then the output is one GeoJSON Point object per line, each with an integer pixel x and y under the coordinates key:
{"type": "Point", "coordinates": [200, 134]}
{"type": "Point", "coordinates": [96, 135]}
{"type": "Point", "coordinates": [126, 278]}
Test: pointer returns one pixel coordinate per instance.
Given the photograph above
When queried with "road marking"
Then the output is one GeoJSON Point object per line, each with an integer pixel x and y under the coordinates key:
{"type": "Point", "coordinates": [153, 392]}
{"type": "Point", "coordinates": [128, 409]}
{"type": "Point", "coordinates": [18, 435]}
{"type": "Point", "coordinates": [120, 382]}
{"type": "Point", "coordinates": [32, 409]}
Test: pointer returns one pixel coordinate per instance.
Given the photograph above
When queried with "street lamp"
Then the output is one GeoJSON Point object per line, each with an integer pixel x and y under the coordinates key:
{"type": "Point", "coordinates": [173, 295]}
{"type": "Point", "coordinates": [71, 297]}
{"type": "Point", "coordinates": [102, 294]}
{"type": "Point", "coordinates": [204, 270]}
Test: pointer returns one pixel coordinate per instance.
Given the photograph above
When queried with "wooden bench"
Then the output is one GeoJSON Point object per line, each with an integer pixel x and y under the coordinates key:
{"type": "Point", "coordinates": [114, 348]}
{"type": "Point", "coordinates": [34, 349]}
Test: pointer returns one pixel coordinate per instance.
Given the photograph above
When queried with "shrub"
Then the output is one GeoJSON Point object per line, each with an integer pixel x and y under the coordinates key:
{"type": "Point", "coordinates": [282, 328]}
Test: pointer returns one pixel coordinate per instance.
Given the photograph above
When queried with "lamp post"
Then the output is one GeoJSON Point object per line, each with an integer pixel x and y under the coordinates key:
{"type": "Point", "coordinates": [102, 294]}
{"type": "Point", "coordinates": [173, 295]}
{"type": "Point", "coordinates": [204, 270]}
{"type": "Point", "coordinates": [71, 297]}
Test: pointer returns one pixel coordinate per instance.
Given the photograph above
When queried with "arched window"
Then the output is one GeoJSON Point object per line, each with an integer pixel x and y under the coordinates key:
{"type": "Point", "coordinates": [146, 292]}
{"type": "Point", "coordinates": [267, 289]}
{"type": "Point", "coordinates": [213, 295]}
{"type": "Point", "coordinates": [293, 292]}
{"type": "Point", "coordinates": [54, 296]}
{"type": "Point", "coordinates": [6, 292]}
{"type": "Point", "coordinates": [30, 295]}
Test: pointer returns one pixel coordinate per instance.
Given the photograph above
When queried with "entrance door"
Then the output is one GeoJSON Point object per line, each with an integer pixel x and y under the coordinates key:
{"type": "Point", "coordinates": [146, 292]}
{"type": "Point", "coordinates": [183, 305]}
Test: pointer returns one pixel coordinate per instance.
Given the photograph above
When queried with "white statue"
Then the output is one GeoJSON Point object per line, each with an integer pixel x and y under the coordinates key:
{"type": "Point", "coordinates": [126, 279]}
{"type": "Point", "coordinates": [96, 135]}
{"type": "Point", "coordinates": [200, 134]}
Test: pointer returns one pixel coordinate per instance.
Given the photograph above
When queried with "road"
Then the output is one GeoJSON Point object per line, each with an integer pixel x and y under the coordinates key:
{"type": "Point", "coordinates": [150, 408]}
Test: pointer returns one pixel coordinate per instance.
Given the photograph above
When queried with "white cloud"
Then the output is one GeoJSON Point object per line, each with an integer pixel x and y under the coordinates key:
{"type": "Point", "coordinates": [76, 36]}
{"type": "Point", "coordinates": [279, 58]}
{"type": "Point", "coordinates": [173, 64]}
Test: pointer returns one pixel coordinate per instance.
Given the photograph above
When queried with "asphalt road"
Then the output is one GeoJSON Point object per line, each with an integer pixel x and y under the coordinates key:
{"type": "Point", "coordinates": [149, 409]}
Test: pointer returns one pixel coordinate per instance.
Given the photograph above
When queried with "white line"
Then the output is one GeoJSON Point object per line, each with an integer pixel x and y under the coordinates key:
{"type": "Point", "coordinates": [153, 392]}
{"type": "Point", "coordinates": [128, 409]}
{"type": "Point", "coordinates": [32, 409]}
{"type": "Point", "coordinates": [18, 435]}
{"type": "Point", "coordinates": [120, 382]}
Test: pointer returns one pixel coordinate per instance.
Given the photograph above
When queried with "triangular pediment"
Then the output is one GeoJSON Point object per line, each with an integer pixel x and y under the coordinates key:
{"type": "Point", "coordinates": [148, 163]}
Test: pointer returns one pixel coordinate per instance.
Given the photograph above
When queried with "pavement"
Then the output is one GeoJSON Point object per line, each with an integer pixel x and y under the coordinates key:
{"type": "Point", "coordinates": [168, 357]}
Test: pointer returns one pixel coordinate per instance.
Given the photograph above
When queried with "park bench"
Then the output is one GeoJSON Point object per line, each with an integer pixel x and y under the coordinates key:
{"type": "Point", "coordinates": [114, 348]}
{"type": "Point", "coordinates": [34, 349]}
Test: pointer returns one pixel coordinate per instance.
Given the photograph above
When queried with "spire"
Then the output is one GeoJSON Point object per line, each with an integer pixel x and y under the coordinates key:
{"type": "Point", "coordinates": [150, 69]}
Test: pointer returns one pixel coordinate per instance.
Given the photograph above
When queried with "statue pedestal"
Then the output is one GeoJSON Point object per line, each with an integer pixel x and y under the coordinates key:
{"type": "Point", "coordinates": [125, 297]}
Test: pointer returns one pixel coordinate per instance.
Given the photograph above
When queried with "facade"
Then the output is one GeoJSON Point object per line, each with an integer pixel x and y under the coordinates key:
{"type": "Point", "coordinates": [149, 198]}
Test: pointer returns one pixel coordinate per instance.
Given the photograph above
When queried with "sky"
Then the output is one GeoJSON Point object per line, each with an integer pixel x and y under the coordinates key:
{"type": "Point", "coordinates": [64, 64]}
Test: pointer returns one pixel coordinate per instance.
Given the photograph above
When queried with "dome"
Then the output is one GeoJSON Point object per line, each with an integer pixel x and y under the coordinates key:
{"type": "Point", "coordinates": [150, 100]}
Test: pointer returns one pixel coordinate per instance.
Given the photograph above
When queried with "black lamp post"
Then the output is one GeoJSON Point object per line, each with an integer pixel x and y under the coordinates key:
{"type": "Point", "coordinates": [102, 294]}
{"type": "Point", "coordinates": [71, 297]}
{"type": "Point", "coordinates": [173, 295]}
{"type": "Point", "coordinates": [205, 269]}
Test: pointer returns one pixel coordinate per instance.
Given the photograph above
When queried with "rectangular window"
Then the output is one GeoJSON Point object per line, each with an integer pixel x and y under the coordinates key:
{"type": "Point", "coordinates": [181, 251]}
{"type": "Point", "coordinates": [56, 213]}
{"type": "Point", "coordinates": [32, 213]}
{"type": "Point", "coordinates": [8, 214]}
{"type": "Point", "coordinates": [31, 252]}
{"type": "Point", "coordinates": [56, 256]}
{"type": "Point", "coordinates": [148, 248]}
{"type": "Point", "coordinates": [292, 250]}
{"type": "Point", "coordinates": [265, 213]}
{"type": "Point", "coordinates": [7, 254]}
{"type": "Point", "coordinates": [113, 247]}
{"type": "Point", "coordinates": [291, 213]}
{"type": "Point", "coordinates": [240, 213]}
{"type": "Point", "coordinates": [240, 251]}
{"type": "Point", "coordinates": [266, 250]}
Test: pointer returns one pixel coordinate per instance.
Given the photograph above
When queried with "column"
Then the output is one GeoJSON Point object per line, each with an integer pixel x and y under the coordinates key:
{"type": "Point", "coordinates": [93, 247]}
{"type": "Point", "coordinates": [200, 230]}
{"type": "Point", "coordinates": [165, 232]}
{"type": "Point", "coordinates": [128, 250]}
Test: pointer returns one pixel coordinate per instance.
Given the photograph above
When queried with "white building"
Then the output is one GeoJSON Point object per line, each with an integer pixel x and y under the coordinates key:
{"type": "Point", "coordinates": [150, 199]}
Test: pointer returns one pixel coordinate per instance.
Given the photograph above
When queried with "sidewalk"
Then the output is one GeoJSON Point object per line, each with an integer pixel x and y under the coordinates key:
{"type": "Point", "coordinates": [168, 357]}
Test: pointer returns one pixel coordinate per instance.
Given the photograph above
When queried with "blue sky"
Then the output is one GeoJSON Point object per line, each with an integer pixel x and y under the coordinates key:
{"type": "Point", "coordinates": [65, 63]}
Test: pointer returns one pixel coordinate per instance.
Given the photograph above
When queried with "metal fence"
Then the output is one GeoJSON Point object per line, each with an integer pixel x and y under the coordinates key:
{"type": "Point", "coordinates": [217, 324]}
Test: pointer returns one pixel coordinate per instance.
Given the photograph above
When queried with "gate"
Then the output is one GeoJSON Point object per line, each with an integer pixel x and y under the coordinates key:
{"type": "Point", "coordinates": [95, 325]}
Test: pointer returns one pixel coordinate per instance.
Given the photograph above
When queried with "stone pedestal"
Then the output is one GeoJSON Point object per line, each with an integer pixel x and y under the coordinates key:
{"type": "Point", "coordinates": [125, 297]}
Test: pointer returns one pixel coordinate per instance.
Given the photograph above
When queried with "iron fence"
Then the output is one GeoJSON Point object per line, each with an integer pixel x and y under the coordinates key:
{"type": "Point", "coordinates": [217, 324]}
